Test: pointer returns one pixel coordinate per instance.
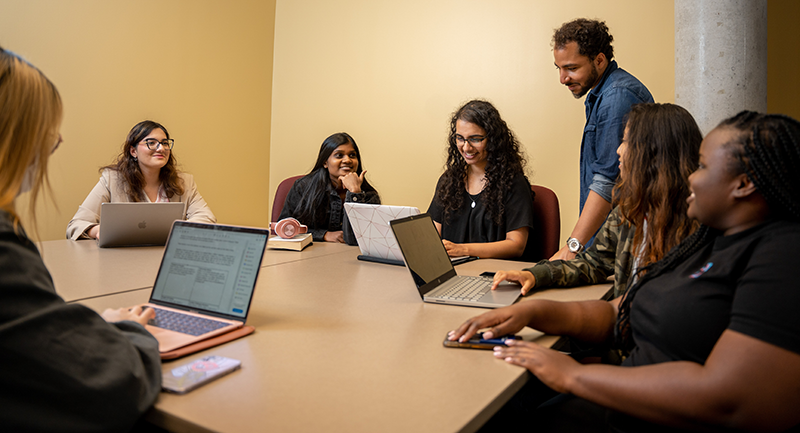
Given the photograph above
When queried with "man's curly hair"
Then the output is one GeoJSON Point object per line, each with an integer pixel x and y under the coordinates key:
{"type": "Point", "coordinates": [591, 36]}
{"type": "Point", "coordinates": [503, 163]}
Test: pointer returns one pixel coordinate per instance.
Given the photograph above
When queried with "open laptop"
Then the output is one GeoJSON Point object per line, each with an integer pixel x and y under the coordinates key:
{"type": "Point", "coordinates": [137, 224]}
{"type": "Point", "coordinates": [208, 275]}
{"type": "Point", "coordinates": [434, 274]}
{"type": "Point", "coordinates": [370, 224]}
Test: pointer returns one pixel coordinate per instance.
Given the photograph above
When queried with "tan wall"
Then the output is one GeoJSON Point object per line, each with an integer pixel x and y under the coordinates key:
{"type": "Point", "coordinates": [391, 73]}
{"type": "Point", "coordinates": [203, 68]}
{"type": "Point", "coordinates": [783, 57]}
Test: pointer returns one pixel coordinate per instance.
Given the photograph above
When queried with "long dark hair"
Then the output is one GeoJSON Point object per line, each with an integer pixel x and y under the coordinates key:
{"type": "Point", "coordinates": [503, 163]}
{"type": "Point", "coordinates": [314, 203]}
{"type": "Point", "coordinates": [128, 167]}
{"type": "Point", "coordinates": [663, 142]}
{"type": "Point", "coordinates": [766, 148]}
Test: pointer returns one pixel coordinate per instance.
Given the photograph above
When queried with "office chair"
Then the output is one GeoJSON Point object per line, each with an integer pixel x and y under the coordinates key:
{"type": "Point", "coordinates": [544, 239]}
{"type": "Point", "coordinates": [280, 196]}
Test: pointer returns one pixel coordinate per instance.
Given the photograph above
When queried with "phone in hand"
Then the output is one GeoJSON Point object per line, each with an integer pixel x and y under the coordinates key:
{"type": "Point", "coordinates": [478, 342]}
{"type": "Point", "coordinates": [187, 377]}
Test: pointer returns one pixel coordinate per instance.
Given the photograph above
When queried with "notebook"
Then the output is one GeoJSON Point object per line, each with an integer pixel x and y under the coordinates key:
{"type": "Point", "coordinates": [370, 224]}
{"type": "Point", "coordinates": [434, 274]}
{"type": "Point", "coordinates": [137, 224]}
{"type": "Point", "coordinates": [208, 274]}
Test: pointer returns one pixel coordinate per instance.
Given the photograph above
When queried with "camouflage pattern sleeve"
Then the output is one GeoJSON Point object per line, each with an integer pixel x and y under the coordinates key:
{"type": "Point", "coordinates": [610, 254]}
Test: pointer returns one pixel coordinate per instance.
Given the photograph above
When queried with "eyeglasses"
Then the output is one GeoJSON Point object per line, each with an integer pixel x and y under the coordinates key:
{"type": "Point", "coordinates": [58, 143]}
{"type": "Point", "coordinates": [152, 143]}
{"type": "Point", "coordinates": [475, 139]}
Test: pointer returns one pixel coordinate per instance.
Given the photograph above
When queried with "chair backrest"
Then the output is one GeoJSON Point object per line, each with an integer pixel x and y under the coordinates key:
{"type": "Point", "coordinates": [280, 196]}
{"type": "Point", "coordinates": [545, 238]}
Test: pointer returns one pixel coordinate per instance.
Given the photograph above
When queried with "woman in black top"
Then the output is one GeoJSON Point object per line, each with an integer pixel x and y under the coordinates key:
{"type": "Point", "coordinates": [713, 329]}
{"type": "Point", "coordinates": [317, 199]}
{"type": "Point", "coordinates": [64, 368]}
{"type": "Point", "coordinates": [483, 202]}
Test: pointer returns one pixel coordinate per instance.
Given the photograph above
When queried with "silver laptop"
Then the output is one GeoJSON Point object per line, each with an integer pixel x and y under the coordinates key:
{"type": "Point", "coordinates": [206, 281]}
{"type": "Point", "coordinates": [137, 224]}
{"type": "Point", "coordinates": [434, 274]}
{"type": "Point", "coordinates": [370, 224]}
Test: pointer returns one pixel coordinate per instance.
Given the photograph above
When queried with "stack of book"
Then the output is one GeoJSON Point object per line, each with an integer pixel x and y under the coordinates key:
{"type": "Point", "coordinates": [296, 243]}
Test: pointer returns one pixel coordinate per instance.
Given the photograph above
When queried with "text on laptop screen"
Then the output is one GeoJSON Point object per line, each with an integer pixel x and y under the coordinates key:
{"type": "Point", "coordinates": [210, 269]}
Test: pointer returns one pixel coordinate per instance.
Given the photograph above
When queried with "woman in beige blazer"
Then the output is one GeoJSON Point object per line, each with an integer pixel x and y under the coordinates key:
{"type": "Point", "coordinates": [145, 171]}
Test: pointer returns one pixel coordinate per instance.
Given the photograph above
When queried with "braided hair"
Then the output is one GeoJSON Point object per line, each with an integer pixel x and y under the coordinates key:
{"type": "Point", "coordinates": [767, 149]}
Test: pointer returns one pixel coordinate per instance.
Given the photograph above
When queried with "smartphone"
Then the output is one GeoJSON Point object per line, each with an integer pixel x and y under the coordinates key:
{"type": "Point", "coordinates": [487, 274]}
{"type": "Point", "coordinates": [477, 342]}
{"type": "Point", "coordinates": [187, 377]}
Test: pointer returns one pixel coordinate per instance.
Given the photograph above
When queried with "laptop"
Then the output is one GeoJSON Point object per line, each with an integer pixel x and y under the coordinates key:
{"type": "Point", "coordinates": [370, 224]}
{"type": "Point", "coordinates": [207, 277]}
{"type": "Point", "coordinates": [434, 274]}
{"type": "Point", "coordinates": [137, 224]}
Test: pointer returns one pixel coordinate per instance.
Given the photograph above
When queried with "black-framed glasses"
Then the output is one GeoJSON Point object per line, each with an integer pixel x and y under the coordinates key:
{"type": "Point", "coordinates": [152, 143]}
{"type": "Point", "coordinates": [475, 139]}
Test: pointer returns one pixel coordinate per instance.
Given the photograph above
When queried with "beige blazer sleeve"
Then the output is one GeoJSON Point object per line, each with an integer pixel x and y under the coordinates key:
{"type": "Point", "coordinates": [88, 214]}
{"type": "Point", "coordinates": [108, 190]}
{"type": "Point", "coordinates": [197, 209]}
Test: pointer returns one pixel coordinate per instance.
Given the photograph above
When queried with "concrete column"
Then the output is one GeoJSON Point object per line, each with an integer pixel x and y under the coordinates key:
{"type": "Point", "coordinates": [720, 58]}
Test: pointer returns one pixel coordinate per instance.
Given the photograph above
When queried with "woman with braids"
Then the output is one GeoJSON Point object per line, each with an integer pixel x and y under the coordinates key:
{"type": "Point", "coordinates": [712, 328]}
{"type": "Point", "coordinates": [145, 171]}
{"type": "Point", "coordinates": [317, 199]}
{"type": "Point", "coordinates": [483, 202]}
{"type": "Point", "coordinates": [657, 154]}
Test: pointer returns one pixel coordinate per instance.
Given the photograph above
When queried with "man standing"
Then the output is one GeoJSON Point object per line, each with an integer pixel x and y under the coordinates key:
{"type": "Point", "coordinates": [583, 56]}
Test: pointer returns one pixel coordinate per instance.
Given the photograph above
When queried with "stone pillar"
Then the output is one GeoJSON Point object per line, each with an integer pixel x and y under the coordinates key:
{"type": "Point", "coordinates": [720, 58]}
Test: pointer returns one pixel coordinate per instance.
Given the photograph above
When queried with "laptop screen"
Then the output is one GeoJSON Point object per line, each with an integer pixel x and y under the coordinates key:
{"type": "Point", "coordinates": [423, 250]}
{"type": "Point", "coordinates": [210, 268]}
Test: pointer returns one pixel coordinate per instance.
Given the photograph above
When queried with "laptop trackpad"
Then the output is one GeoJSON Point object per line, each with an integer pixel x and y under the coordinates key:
{"type": "Point", "coordinates": [506, 292]}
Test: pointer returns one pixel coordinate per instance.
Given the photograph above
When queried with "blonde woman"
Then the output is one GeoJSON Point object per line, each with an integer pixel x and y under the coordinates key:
{"type": "Point", "coordinates": [64, 366]}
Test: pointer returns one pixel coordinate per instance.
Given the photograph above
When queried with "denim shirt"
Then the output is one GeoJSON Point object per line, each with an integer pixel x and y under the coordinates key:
{"type": "Point", "coordinates": [606, 107]}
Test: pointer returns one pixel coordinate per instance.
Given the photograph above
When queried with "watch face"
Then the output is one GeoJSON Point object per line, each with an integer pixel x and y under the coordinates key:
{"type": "Point", "coordinates": [574, 245]}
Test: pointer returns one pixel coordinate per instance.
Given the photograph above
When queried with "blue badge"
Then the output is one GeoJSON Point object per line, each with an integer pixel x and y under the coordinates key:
{"type": "Point", "coordinates": [702, 270]}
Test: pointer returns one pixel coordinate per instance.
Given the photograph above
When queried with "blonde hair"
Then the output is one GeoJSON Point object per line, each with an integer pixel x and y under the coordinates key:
{"type": "Point", "coordinates": [30, 117]}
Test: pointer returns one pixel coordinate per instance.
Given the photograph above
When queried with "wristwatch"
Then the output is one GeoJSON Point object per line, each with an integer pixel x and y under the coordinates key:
{"type": "Point", "coordinates": [574, 245]}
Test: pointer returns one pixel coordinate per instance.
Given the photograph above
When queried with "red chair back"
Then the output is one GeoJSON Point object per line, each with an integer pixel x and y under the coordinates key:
{"type": "Point", "coordinates": [280, 196]}
{"type": "Point", "coordinates": [545, 238]}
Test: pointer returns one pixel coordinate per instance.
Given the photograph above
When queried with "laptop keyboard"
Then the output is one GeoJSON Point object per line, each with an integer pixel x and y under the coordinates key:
{"type": "Point", "coordinates": [468, 289]}
{"type": "Point", "coordinates": [184, 323]}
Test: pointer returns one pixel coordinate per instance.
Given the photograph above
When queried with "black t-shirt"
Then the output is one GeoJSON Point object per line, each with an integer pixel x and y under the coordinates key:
{"type": "Point", "coordinates": [744, 282]}
{"type": "Point", "coordinates": [473, 224]}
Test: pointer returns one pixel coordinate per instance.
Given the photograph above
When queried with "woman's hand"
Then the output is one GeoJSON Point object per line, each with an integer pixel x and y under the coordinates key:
{"type": "Point", "coordinates": [525, 278]}
{"type": "Point", "coordinates": [352, 181]}
{"type": "Point", "coordinates": [136, 314]}
{"type": "Point", "coordinates": [506, 320]}
{"type": "Point", "coordinates": [94, 232]}
{"type": "Point", "coordinates": [334, 237]}
{"type": "Point", "coordinates": [554, 369]}
{"type": "Point", "coordinates": [455, 250]}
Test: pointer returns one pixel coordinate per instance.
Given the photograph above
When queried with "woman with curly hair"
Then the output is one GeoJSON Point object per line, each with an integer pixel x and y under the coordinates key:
{"type": "Point", "coordinates": [145, 171]}
{"type": "Point", "coordinates": [657, 154]}
{"type": "Point", "coordinates": [483, 202]}
{"type": "Point", "coordinates": [712, 328]}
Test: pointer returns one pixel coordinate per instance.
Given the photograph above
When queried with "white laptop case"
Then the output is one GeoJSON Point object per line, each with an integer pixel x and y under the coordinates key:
{"type": "Point", "coordinates": [370, 224]}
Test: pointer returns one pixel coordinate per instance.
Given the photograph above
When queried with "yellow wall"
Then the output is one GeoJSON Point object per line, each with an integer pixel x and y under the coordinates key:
{"type": "Point", "coordinates": [391, 73]}
{"type": "Point", "coordinates": [203, 68]}
{"type": "Point", "coordinates": [783, 57]}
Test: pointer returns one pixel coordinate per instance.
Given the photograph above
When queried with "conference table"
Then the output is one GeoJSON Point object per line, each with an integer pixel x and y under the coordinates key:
{"type": "Point", "coordinates": [340, 344]}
